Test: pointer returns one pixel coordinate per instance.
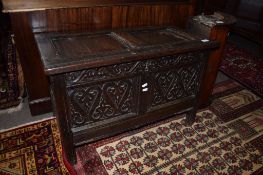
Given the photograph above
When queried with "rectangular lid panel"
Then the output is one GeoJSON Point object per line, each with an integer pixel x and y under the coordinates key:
{"type": "Point", "coordinates": [61, 52]}
{"type": "Point", "coordinates": [85, 45]}
{"type": "Point", "coordinates": [151, 37]}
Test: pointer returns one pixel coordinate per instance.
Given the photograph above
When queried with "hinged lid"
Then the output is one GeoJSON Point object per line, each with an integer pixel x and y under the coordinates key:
{"type": "Point", "coordinates": [69, 52]}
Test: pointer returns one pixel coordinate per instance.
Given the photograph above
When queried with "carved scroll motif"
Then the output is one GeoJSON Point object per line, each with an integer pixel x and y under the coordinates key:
{"type": "Point", "coordinates": [89, 104]}
{"type": "Point", "coordinates": [101, 73]}
{"type": "Point", "coordinates": [175, 84]}
{"type": "Point", "coordinates": [103, 93]}
{"type": "Point", "coordinates": [132, 68]}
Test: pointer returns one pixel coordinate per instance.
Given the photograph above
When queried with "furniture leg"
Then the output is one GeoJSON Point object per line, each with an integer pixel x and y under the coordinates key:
{"type": "Point", "coordinates": [61, 112]}
{"type": "Point", "coordinates": [190, 117]}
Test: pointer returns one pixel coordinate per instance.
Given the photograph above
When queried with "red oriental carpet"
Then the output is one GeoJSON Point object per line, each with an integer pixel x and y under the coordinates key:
{"type": "Point", "coordinates": [31, 150]}
{"type": "Point", "coordinates": [217, 143]}
{"type": "Point", "coordinates": [11, 75]}
{"type": "Point", "coordinates": [243, 67]}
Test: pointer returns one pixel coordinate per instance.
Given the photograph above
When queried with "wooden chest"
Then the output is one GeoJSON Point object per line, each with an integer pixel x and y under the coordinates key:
{"type": "Point", "coordinates": [109, 82]}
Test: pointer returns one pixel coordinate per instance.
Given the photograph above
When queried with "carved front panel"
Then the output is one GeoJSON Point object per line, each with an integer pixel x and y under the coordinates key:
{"type": "Point", "coordinates": [96, 102]}
{"type": "Point", "coordinates": [101, 73]}
{"type": "Point", "coordinates": [98, 94]}
{"type": "Point", "coordinates": [165, 62]}
{"type": "Point", "coordinates": [175, 83]}
{"type": "Point", "coordinates": [131, 68]}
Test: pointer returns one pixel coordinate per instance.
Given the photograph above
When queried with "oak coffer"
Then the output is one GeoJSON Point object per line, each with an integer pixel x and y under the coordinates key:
{"type": "Point", "coordinates": [109, 82]}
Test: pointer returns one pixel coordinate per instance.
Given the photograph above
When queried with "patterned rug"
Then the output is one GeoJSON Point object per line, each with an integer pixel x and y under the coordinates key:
{"type": "Point", "coordinates": [244, 67]}
{"type": "Point", "coordinates": [234, 102]}
{"type": "Point", "coordinates": [11, 76]}
{"type": "Point", "coordinates": [243, 111]}
{"type": "Point", "coordinates": [33, 150]}
{"type": "Point", "coordinates": [213, 145]}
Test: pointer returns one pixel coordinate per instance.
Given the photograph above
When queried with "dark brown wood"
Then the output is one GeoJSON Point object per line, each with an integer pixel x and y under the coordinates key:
{"type": "Point", "coordinates": [111, 17]}
{"type": "Point", "coordinates": [218, 31]}
{"type": "Point", "coordinates": [60, 110]}
{"type": "Point", "coordinates": [86, 19]}
{"type": "Point", "coordinates": [40, 105]}
{"type": "Point", "coordinates": [105, 83]}
{"type": "Point", "coordinates": [77, 51]}
{"type": "Point", "coordinates": [220, 34]}
{"type": "Point", "coordinates": [34, 5]}
{"type": "Point", "coordinates": [36, 81]}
